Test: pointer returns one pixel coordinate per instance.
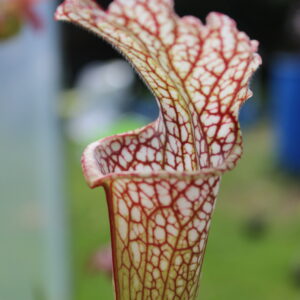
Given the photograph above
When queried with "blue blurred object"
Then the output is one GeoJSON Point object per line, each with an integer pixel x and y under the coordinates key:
{"type": "Point", "coordinates": [285, 93]}
{"type": "Point", "coordinates": [250, 110]}
{"type": "Point", "coordinates": [146, 107]}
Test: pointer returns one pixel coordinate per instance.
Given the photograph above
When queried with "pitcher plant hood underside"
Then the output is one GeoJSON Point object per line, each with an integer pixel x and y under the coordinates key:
{"type": "Point", "coordinates": [162, 180]}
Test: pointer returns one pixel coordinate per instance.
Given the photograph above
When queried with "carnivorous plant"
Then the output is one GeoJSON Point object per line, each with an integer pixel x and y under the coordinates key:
{"type": "Point", "coordinates": [162, 180]}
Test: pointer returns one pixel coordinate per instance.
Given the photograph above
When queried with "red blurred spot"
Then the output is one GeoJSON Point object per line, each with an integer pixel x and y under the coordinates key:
{"type": "Point", "coordinates": [29, 13]}
{"type": "Point", "coordinates": [102, 261]}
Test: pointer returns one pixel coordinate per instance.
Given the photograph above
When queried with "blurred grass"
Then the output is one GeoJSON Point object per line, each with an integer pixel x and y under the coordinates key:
{"type": "Point", "coordinates": [254, 243]}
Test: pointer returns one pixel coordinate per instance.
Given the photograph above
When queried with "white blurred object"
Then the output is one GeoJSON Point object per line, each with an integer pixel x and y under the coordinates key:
{"type": "Point", "coordinates": [98, 78]}
{"type": "Point", "coordinates": [33, 256]}
{"type": "Point", "coordinates": [102, 89]}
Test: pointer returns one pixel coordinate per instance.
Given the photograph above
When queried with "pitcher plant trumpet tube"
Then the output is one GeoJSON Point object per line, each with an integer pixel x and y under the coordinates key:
{"type": "Point", "coordinates": [162, 180]}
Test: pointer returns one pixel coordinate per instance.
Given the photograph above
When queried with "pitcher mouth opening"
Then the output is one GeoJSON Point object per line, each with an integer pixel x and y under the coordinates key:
{"type": "Point", "coordinates": [95, 175]}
